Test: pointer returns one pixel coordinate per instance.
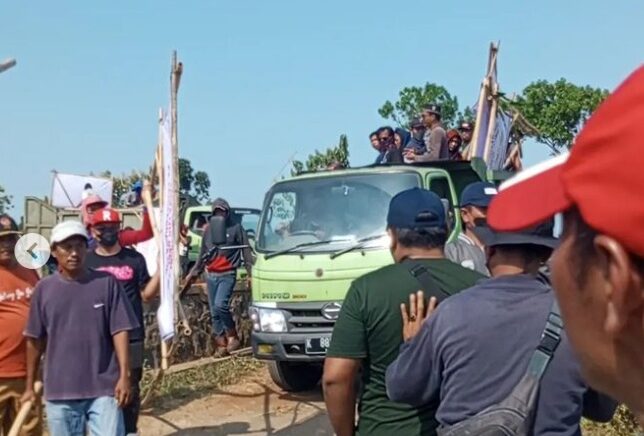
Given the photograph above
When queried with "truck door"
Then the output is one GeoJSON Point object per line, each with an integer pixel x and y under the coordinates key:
{"type": "Point", "coordinates": [441, 185]}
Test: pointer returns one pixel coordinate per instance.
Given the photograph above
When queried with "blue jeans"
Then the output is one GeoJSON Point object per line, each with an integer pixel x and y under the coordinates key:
{"type": "Point", "coordinates": [220, 289]}
{"type": "Point", "coordinates": [70, 417]}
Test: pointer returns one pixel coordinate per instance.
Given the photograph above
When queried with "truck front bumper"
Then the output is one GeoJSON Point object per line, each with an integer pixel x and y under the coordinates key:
{"type": "Point", "coordinates": [287, 346]}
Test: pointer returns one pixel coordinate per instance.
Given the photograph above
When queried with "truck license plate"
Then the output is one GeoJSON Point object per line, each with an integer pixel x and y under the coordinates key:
{"type": "Point", "coordinates": [317, 345]}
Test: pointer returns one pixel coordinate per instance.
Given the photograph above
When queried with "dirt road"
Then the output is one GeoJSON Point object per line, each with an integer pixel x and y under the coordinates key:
{"type": "Point", "coordinates": [255, 406]}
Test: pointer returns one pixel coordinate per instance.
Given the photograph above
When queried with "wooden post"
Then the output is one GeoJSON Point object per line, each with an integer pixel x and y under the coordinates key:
{"type": "Point", "coordinates": [175, 79]}
{"type": "Point", "coordinates": [23, 412]}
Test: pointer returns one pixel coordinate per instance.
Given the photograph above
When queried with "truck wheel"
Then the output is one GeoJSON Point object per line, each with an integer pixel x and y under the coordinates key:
{"type": "Point", "coordinates": [295, 376]}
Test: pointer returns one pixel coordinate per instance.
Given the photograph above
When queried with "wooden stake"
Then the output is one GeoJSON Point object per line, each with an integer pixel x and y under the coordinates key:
{"type": "Point", "coordinates": [175, 79]}
{"type": "Point", "coordinates": [24, 412]}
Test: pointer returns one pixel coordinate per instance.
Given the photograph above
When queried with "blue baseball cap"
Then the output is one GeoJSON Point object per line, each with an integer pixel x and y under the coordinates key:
{"type": "Point", "coordinates": [478, 194]}
{"type": "Point", "coordinates": [416, 208]}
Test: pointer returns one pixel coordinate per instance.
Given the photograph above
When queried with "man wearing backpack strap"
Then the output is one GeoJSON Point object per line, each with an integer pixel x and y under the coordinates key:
{"type": "Point", "coordinates": [368, 331]}
{"type": "Point", "coordinates": [496, 354]}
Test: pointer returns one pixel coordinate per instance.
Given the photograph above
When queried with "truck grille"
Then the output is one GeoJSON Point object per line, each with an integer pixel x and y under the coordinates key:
{"type": "Point", "coordinates": [309, 320]}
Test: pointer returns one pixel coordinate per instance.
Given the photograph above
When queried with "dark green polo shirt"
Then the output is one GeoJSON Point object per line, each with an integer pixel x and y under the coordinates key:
{"type": "Point", "coordinates": [369, 328]}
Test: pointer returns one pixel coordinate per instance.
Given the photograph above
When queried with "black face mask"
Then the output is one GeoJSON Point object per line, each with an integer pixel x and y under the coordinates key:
{"type": "Point", "coordinates": [108, 238]}
{"type": "Point", "coordinates": [480, 222]}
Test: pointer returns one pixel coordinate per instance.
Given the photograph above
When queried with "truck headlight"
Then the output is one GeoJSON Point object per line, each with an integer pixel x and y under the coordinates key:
{"type": "Point", "coordinates": [268, 320]}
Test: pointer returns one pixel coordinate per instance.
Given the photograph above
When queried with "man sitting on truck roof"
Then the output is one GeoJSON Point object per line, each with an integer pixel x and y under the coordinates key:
{"type": "Point", "coordinates": [368, 331]}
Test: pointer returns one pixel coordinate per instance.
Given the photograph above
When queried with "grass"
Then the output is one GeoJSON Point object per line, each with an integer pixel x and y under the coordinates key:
{"type": "Point", "coordinates": [623, 424]}
{"type": "Point", "coordinates": [180, 388]}
{"type": "Point", "coordinates": [177, 388]}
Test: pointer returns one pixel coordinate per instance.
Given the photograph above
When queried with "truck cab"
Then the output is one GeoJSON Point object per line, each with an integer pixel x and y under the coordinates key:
{"type": "Point", "coordinates": [317, 233]}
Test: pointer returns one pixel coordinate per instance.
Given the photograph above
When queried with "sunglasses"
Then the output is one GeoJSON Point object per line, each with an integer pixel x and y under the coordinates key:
{"type": "Point", "coordinates": [384, 138]}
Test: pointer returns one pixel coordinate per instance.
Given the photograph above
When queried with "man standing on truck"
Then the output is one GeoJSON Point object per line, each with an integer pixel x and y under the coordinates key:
{"type": "Point", "coordinates": [435, 137]}
{"type": "Point", "coordinates": [129, 268]}
{"type": "Point", "coordinates": [221, 276]}
{"type": "Point", "coordinates": [368, 332]}
{"type": "Point", "coordinates": [468, 250]}
{"type": "Point", "coordinates": [16, 287]}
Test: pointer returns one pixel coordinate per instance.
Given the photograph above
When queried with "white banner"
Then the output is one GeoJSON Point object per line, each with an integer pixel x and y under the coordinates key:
{"type": "Point", "coordinates": [150, 248]}
{"type": "Point", "coordinates": [168, 233]}
{"type": "Point", "coordinates": [69, 190]}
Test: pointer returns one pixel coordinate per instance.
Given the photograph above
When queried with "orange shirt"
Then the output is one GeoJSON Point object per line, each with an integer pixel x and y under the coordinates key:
{"type": "Point", "coordinates": [16, 286]}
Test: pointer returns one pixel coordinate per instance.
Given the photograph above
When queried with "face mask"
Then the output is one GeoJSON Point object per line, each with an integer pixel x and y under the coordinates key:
{"type": "Point", "coordinates": [108, 238]}
{"type": "Point", "coordinates": [480, 222]}
{"type": "Point", "coordinates": [419, 135]}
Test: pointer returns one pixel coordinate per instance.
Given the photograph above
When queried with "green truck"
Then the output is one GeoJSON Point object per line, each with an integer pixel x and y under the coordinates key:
{"type": "Point", "coordinates": [317, 233]}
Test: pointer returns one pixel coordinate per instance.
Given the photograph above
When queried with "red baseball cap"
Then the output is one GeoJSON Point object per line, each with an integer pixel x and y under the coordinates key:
{"type": "Point", "coordinates": [106, 216]}
{"type": "Point", "coordinates": [603, 176]}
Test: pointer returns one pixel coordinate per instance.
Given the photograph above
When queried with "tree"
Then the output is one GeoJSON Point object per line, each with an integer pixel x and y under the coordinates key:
{"type": "Point", "coordinates": [558, 110]}
{"type": "Point", "coordinates": [202, 186]}
{"type": "Point", "coordinates": [322, 160]}
{"type": "Point", "coordinates": [5, 201]}
{"type": "Point", "coordinates": [191, 183]}
{"type": "Point", "coordinates": [412, 99]}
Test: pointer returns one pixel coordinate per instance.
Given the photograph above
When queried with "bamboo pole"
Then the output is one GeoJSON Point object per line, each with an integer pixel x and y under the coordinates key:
{"type": "Point", "coordinates": [474, 143]}
{"type": "Point", "coordinates": [491, 122]}
{"type": "Point", "coordinates": [23, 413]}
{"type": "Point", "coordinates": [175, 80]}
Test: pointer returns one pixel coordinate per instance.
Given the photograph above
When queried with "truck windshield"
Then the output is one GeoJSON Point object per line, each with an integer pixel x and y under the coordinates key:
{"type": "Point", "coordinates": [337, 210]}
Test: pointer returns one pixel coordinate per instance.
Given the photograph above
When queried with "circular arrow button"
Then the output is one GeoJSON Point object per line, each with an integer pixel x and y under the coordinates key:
{"type": "Point", "coordinates": [32, 251]}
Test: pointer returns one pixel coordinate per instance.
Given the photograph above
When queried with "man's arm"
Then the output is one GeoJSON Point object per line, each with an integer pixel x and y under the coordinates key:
{"type": "Point", "coordinates": [131, 237]}
{"type": "Point", "coordinates": [339, 393]}
{"type": "Point", "coordinates": [152, 287]}
{"type": "Point", "coordinates": [121, 343]}
{"type": "Point", "coordinates": [414, 377]}
{"type": "Point", "coordinates": [35, 349]}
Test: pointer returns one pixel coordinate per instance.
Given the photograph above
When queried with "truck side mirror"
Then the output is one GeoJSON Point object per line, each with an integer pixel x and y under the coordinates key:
{"type": "Point", "coordinates": [449, 216]}
{"type": "Point", "coordinates": [217, 229]}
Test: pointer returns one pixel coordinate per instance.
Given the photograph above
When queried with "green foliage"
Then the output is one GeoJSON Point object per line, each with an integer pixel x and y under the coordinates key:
{"type": "Point", "coordinates": [5, 200]}
{"type": "Point", "coordinates": [202, 186]}
{"type": "Point", "coordinates": [318, 161]}
{"type": "Point", "coordinates": [558, 110]}
{"type": "Point", "coordinates": [121, 185]}
{"type": "Point", "coordinates": [622, 424]}
{"type": "Point", "coordinates": [412, 99]}
{"type": "Point", "coordinates": [191, 183]}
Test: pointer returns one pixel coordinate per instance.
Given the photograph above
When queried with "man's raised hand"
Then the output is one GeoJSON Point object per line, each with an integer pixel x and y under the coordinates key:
{"type": "Point", "coordinates": [414, 318]}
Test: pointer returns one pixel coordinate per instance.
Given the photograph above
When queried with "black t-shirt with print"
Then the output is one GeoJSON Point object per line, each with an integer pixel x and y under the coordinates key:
{"type": "Point", "coordinates": [129, 268]}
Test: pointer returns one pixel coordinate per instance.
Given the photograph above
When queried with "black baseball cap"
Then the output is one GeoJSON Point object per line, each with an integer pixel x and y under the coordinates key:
{"type": "Point", "coordinates": [416, 122]}
{"type": "Point", "coordinates": [433, 109]}
{"type": "Point", "coordinates": [541, 234]}
{"type": "Point", "coordinates": [466, 125]}
{"type": "Point", "coordinates": [416, 208]}
{"type": "Point", "coordinates": [478, 194]}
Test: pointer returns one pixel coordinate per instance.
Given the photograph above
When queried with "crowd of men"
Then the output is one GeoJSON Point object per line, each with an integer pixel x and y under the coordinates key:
{"type": "Point", "coordinates": [546, 339]}
{"type": "Point", "coordinates": [86, 317]}
{"type": "Point", "coordinates": [491, 332]}
{"type": "Point", "coordinates": [426, 141]}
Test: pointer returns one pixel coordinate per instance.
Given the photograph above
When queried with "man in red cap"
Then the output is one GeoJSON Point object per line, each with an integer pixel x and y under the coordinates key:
{"type": "Point", "coordinates": [93, 203]}
{"type": "Point", "coordinates": [598, 269]}
{"type": "Point", "coordinates": [129, 268]}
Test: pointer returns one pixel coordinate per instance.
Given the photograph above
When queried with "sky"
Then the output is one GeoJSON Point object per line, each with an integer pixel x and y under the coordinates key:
{"type": "Point", "coordinates": [266, 80]}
